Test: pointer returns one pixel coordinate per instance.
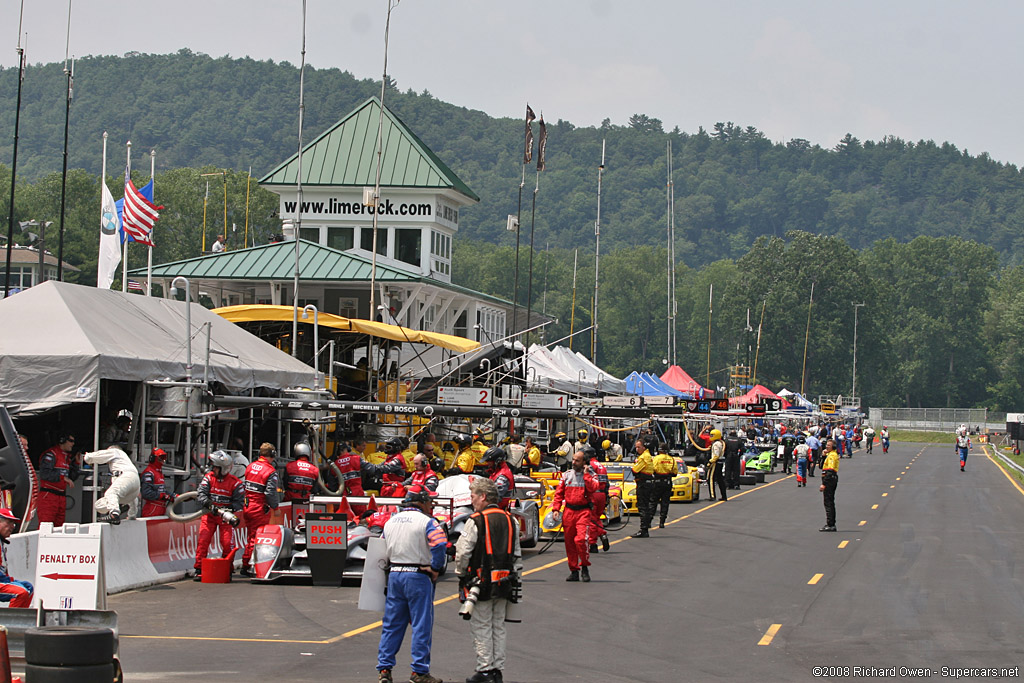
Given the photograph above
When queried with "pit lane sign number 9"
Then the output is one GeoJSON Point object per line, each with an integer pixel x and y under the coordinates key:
{"type": "Point", "coordinates": [464, 396]}
{"type": "Point", "coordinates": [772, 405]}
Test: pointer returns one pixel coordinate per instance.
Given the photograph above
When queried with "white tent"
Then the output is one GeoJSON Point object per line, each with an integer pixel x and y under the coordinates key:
{"type": "Point", "coordinates": [59, 340]}
{"type": "Point", "coordinates": [559, 369]}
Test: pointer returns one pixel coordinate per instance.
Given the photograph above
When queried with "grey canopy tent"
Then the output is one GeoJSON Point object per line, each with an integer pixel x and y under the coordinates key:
{"type": "Point", "coordinates": [59, 340]}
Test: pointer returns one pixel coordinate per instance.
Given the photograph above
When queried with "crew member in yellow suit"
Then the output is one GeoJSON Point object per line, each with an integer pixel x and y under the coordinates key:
{"type": "Point", "coordinates": [665, 469]}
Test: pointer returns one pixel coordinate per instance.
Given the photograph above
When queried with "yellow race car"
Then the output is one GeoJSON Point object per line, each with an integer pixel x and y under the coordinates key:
{"type": "Point", "coordinates": [613, 507]}
{"type": "Point", "coordinates": [685, 485]}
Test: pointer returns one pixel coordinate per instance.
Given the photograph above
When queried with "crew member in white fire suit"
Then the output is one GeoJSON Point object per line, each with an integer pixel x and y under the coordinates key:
{"type": "Point", "coordinates": [124, 484]}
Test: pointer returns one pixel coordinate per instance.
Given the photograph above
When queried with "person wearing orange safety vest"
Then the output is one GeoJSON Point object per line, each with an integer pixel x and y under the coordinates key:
{"type": "Point", "coordinates": [261, 496]}
{"type": "Point", "coordinates": [665, 468]}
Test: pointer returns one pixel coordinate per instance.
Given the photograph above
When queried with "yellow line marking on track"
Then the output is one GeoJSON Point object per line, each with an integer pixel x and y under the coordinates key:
{"type": "Point", "coordinates": [1002, 469]}
{"type": "Point", "coordinates": [893, 486]}
{"type": "Point", "coordinates": [843, 544]}
{"type": "Point", "coordinates": [875, 506]}
{"type": "Point", "coordinates": [863, 522]}
{"type": "Point", "coordinates": [884, 495]}
{"type": "Point", "coordinates": [898, 478]}
{"type": "Point", "coordinates": [766, 639]}
{"type": "Point", "coordinates": [815, 579]}
{"type": "Point", "coordinates": [439, 601]}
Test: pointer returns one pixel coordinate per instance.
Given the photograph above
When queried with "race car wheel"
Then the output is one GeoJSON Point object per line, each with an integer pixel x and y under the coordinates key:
{"type": "Point", "coordinates": [759, 476]}
{"type": "Point", "coordinates": [55, 646]}
{"type": "Point", "coordinates": [93, 673]}
{"type": "Point", "coordinates": [533, 538]}
{"type": "Point", "coordinates": [748, 480]}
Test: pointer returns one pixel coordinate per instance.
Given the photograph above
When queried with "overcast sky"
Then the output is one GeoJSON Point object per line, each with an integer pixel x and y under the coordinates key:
{"type": "Point", "coordinates": [916, 69]}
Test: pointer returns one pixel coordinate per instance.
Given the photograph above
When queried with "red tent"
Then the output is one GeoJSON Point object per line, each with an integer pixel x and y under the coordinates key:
{"type": "Point", "coordinates": [677, 378]}
{"type": "Point", "coordinates": [757, 393]}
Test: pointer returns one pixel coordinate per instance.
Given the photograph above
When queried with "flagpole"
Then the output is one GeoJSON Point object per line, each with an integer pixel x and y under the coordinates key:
{"type": "Point", "coordinates": [711, 298]}
{"type": "Point", "coordinates": [124, 238]}
{"type": "Point", "coordinates": [807, 336]}
{"type": "Point", "coordinates": [597, 259]}
{"type": "Point", "coordinates": [572, 310]}
{"type": "Point", "coordinates": [14, 155]}
{"type": "Point", "coordinates": [103, 180]}
{"type": "Point", "coordinates": [298, 191]}
{"type": "Point", "coordinates": [757, 352]}
{"type": "Point", "coordinates": [245, 239]}
{"type": "Point", "coordinates": [206, 200]}
{"type": "Point", "coordinates": [64, 170]}
{"type": "Point", "coordinates": [541, 150]}
{"type": "Point", "coordinates": [149, 264]}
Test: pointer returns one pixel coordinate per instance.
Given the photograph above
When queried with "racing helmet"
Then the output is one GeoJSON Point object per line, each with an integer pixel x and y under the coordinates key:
{"type": "Point", "coordinates": [463, 440]}
{"type": "Point", "coordinates": [606, 444]}
{"type": "Point", "coordinates": [222, 460]}
{"type": "Point", "coordinates": [801, 439]}
{"type": "Point", "coordinates": [393, 446]}
{"type": "Point", "coordinates": [302, 450]}
{"type": "Point", "coordinates": [553, 519]}
{"type": "Point", "coordinates": [495, 454]}
{"type": "Point", "coordinates": [582, 434]}
{"type": "Point", "coordinates": [588, 452]}
{"type": "Point", "coordinates": [716, 434]}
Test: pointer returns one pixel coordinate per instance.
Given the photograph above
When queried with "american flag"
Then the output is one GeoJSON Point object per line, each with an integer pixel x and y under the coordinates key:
{"type": "Point", "coordinates": [139, 214]}
{"type": "Point", "coordinates": [136, 285]}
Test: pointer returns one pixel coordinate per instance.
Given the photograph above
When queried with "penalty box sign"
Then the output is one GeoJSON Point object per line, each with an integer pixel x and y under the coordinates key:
{"type": "Point", "coordinates": [69, 571]}
{"type": "Point", "coordinates": [464, 396]}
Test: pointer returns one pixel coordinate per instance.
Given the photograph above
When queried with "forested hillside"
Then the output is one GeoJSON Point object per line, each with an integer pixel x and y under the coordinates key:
{"type": "Point", "coordinates": [732, 184]}
{"type": "Point", "coordinates": [928, 237]}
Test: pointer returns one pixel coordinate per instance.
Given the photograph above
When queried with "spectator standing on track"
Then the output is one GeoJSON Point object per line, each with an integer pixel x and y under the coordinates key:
{"type": "Point", "coordinates": [488, 551]}
{"type": "Point", "coordinates": [829, 482]}
{"type": "Point", "coordinates": [416, 554]}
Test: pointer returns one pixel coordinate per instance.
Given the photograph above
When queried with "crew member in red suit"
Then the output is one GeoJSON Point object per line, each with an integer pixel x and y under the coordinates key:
{"type": "Point", "coordinates": [600, 498]}
{"type": "Point", "coordinates": [155, 496]}
{"type": "Point", "coordinates": [261, 496]}
{"type": "Point", "coordinates": [58, 470]}
{"type": "Point", "coordinates": [17, 593]}
{"type": "Point", "coordinates": [495, 460]}
{"type": "Point", "coordinates": [422, 475]}
{"type": "Point", "coordinates": [220, 493]}
{"type": "Point", "coordinates": [393, 469]}
{"type": "Point", "coordinates": [351, 467]}
{"type": "Point", "coordinates": [576, 490]}
{"type": "Point", "coordinates": [300, 474]}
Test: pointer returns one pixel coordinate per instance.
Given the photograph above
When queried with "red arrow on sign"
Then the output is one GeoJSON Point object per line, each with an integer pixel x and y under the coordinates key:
{"type": "Point", "coordinates": [57, 575]}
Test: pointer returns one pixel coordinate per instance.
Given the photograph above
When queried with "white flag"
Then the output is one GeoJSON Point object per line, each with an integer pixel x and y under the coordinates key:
{"type": "Point", "coordinates": [110, 241]}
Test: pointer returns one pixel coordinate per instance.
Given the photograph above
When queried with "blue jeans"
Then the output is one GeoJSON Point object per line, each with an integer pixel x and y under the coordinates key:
{"type": "Point", "coordinates": [410, 601]}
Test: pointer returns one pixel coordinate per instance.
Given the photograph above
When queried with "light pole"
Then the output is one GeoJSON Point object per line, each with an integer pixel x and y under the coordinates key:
{"type": "Point", "coordinates": [853, 391]}
{"type": "Point", "coordinates": [316, 337]}
{"type": "Point", "coordinates": [188, 322]}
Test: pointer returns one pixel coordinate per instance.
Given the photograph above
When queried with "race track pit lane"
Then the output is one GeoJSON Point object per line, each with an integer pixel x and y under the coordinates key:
{"type": "Point", "coordinates": [719, 573]}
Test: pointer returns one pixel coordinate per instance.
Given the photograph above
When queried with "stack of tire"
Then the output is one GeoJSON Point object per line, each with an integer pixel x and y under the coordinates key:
{"type": "Point", "coordinates": [70, 654]}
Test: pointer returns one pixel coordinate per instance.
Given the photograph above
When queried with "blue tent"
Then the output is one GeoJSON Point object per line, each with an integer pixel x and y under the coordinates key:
{"type": "Point", "coordinates": [644, 384]}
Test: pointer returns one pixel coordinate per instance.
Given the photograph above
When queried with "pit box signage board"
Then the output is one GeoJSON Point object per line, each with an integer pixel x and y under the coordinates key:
{"type": "Point", "coordinates": [464, 396]}
{"type": "Point", "coordinates": [622, 401]}
{"type": "Point", "coordinates": [553, 401]}
{"type": "Point", "coordinates": [69, 567]}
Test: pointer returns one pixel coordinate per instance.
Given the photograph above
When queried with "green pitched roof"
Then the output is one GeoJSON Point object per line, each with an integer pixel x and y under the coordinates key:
{"type": "Point", "coordinates": [346, 155]}
{"type": "Point", "coordinates": [277, 262]}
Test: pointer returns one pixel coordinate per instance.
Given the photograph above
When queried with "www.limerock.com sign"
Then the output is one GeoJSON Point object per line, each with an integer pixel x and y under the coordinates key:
{"type": "Point", "coordinates": [392, 208]}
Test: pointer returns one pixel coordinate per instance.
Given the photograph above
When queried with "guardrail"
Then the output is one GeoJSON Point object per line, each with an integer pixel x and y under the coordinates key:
{"type": "Point", "coordinates": [1008, 461]}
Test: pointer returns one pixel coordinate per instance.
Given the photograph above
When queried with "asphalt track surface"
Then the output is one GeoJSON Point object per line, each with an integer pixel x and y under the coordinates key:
{"type": "Point", "coordinates": [925, 572]}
